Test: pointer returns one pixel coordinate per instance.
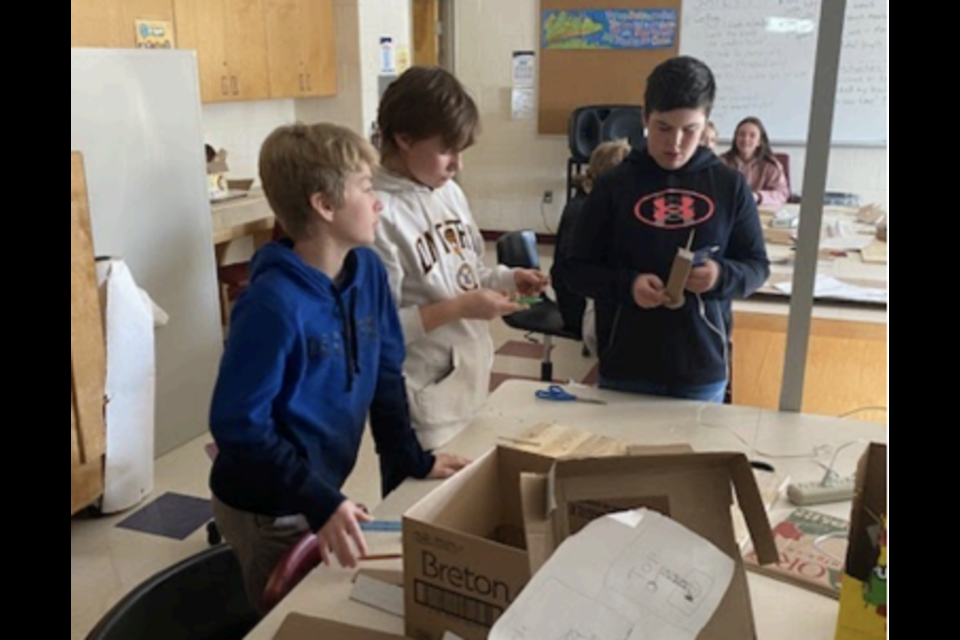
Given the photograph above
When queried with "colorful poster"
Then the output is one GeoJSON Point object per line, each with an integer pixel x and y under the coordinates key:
{"type": "Point", "coordinates": [154, 34]}
{"type": "Point", "coordinates": [610, 29]}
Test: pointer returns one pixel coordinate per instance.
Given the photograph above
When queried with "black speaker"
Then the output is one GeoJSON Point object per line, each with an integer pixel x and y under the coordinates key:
{"type": "Point", "coordinates": [591, 125]}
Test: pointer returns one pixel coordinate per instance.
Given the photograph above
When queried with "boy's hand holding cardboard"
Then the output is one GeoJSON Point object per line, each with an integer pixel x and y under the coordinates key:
{"type": "Point", "coordinates": [703, 278]}
{"type": "Point", "coordinates": [341, 535]}
{"type": "Point", "coordinates": [486, 304]}
{"type": "Point", "coordinates": [648, 291]}
{"type": "Point", "coordinates": [530, 282]}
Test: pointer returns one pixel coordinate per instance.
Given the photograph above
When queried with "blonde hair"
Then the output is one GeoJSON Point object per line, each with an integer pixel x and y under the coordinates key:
{"type": "Point", "coordinates": [606, 156]}
{"type": "Point", "coordinates": [298, 161]}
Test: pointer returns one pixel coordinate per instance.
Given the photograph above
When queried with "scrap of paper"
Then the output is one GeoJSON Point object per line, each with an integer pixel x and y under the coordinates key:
{"type": "Point", "coordinates": [630, 576]}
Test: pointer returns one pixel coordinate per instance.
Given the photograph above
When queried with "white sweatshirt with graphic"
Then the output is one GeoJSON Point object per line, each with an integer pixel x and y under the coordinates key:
{"type": "Point", "coordinates": [433, 251]}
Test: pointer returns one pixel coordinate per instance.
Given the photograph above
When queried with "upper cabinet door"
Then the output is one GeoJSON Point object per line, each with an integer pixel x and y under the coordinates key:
{"type": "Point", "coordinates": [247, 50]}
{"type": "Point", "coordinates": [284, 24]}
{"type": "Point", "coordinates": [230, 40]}
{"type": "Point", "coordinates": [111, 23]}
{"type": "Point", "coordinates": [320, 47]}
{"type": "Point", "coordinates": [302, 48]}
{"type": "Point", "coordinates": [201, 26]}
{"type": "Point", "coordinates": [95, 23]}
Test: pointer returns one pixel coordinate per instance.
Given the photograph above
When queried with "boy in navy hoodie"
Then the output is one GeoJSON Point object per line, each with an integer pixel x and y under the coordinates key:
{"type": "Point", "coordinates": [315, 344]}
{"type": "Point", "coordinates": [667, 195]}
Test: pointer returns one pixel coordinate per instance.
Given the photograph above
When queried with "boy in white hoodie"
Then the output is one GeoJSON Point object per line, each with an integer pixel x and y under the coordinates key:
{"type": "Point", "coordinates": [433, 252]}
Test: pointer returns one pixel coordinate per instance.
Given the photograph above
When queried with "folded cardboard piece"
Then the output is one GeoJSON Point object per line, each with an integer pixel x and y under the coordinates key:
{"type": "Point", "coordinates": [863, 588]}
{"type": "Point", "coordinates": [470, 546]}
{"type": "Point", "coordinates": [297, 626]}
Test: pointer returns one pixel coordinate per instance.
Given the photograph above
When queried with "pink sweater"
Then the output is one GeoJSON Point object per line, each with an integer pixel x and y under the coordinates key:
{"type": "Point", "coordinates": [765, 179]}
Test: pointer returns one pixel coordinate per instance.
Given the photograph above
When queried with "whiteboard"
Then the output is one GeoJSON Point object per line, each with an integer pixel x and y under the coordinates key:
{"type": "Point", "coordinates": [762, 53]}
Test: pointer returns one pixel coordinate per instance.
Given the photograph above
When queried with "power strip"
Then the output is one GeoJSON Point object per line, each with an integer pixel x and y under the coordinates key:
{"type": "Point", "coordinates": [807, 493]}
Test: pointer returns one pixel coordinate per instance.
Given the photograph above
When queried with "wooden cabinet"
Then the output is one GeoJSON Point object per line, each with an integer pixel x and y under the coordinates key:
{"type": "Point", "coordinates": [301, 47]}
{"type": "Point", "coordinates": [846, 365]}
{"type": "Point", "coordinates": [110, 23]}
{"type": "Point", "coordinates": [246, 49]}
{"type": "Point", "coordinates": [88, 359]}
{"type": "Point", "coordinates": [230, 40]}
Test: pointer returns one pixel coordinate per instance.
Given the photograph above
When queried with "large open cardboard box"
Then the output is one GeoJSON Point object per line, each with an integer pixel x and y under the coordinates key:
{"type": "Point", "coordinates": [465, 549]}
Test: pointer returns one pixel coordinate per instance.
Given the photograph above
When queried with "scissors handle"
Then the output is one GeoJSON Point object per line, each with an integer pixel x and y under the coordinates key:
{"type": "Point", "coordinates": [555, 392]}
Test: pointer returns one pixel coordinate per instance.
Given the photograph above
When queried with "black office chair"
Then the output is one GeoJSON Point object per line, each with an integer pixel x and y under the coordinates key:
{"type": "Point", "coordinates": [200, 598]}
{"type": "Point", "coordinates": [519, 249]}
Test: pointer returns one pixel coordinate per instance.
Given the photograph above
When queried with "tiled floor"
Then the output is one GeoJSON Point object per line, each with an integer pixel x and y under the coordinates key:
{"type": "Point", "coordinates": [110, 555]}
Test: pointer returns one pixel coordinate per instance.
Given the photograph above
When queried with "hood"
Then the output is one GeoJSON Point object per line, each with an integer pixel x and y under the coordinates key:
{"type": "Point", "coordinates": [390, 182]}
{"type": "Point", "coordinates": [702, 159]}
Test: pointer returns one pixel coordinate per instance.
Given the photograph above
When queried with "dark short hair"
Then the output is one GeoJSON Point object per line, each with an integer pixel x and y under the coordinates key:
{"type": "Point", "coordinates": [683, 82]}
{"type": "Point", "coordinates": [425, 102]}
{"type": "Point", "coordinates": [300, 160]}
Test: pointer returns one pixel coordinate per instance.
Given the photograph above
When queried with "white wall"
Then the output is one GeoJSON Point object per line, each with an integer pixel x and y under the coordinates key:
{"type": "Point", "coordinates": [380, 18]}
{"type": "Point", "coordinates": [512, 165]}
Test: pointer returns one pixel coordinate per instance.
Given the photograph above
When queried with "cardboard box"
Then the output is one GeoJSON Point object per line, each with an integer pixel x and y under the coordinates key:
{"type": "Point", "coordinates": [863, 588]}
{"type": "Point", "coordinates": [465, 556]}
{"type": "Point", "coordinates": [693, 489]}
{"type": "Point", "coordinates": [297, 626]}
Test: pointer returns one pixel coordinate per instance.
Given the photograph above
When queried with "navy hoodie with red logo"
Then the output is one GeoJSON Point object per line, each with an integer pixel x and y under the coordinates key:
{"type": "Point", "coordinates": [633, 222]}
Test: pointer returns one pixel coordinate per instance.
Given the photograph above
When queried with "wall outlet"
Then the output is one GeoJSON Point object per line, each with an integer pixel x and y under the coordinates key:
{"type": "Point", "coordinates": [548, 197]}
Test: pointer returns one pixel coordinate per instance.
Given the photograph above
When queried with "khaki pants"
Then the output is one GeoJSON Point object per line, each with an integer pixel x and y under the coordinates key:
{"type": "Point", "coordinates": [259, 543]}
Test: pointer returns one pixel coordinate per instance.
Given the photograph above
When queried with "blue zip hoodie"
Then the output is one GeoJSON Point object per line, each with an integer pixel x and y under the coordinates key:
{"type": "Point", "coordinates": [634, 220]}
{"type": "Point", "coordinates": [305, 360]}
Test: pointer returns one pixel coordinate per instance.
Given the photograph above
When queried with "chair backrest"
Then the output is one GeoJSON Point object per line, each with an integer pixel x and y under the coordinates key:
{"type": "Point", "coordinates": [293, 567]}
{"type": "Point", "coordinates": [518, 249]}
{"type": "Point", "coordinates": [784, 160]}
{"type": "Point", "coordinates": [200, 598]}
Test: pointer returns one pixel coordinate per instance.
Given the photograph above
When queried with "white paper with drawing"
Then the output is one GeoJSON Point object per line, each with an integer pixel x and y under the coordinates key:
{"type": "Point", "coordinates": [635, 575]}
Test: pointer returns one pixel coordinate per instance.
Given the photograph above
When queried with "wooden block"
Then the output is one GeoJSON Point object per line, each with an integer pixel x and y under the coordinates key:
{"type": "Point", "coordinates": [86, 478]}
{"type": "Point", "coordinates": [778, 236]}
{"type": "Point", "coordinates": [88, 360]}
{"type": "Point", "coordinates": [875, 252]}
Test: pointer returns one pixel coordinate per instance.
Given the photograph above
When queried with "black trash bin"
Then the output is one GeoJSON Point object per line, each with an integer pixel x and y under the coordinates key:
{"type": "Point", "coordinates": [200, 598]}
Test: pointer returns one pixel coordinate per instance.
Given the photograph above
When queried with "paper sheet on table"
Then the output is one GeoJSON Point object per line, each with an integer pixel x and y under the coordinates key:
{"type": "Point", "coordinates": [633, 575]}
{"type": "Point", "coordinates": [828, 287]}
{"type": "Point", "coordinates": [847, 243]}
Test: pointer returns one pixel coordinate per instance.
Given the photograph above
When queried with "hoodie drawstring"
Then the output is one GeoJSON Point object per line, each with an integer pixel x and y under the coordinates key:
{"type": "Point", "coordinates": [351, 345]}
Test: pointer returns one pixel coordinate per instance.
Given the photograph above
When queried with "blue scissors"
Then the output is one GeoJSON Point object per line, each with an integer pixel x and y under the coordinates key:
{"type": "Point", "coordinates": [558, 394]}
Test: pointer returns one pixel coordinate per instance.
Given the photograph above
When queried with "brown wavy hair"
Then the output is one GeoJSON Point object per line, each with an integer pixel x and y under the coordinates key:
{"type": "Point", "coordinates": [425, 102]}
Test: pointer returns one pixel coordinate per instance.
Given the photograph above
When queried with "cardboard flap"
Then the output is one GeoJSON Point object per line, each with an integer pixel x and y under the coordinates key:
{"type": "Point", "coordinates": [297, 626]}
{"type": "Point", "coordinates": [434, 502]}
{"type": "Point", "coordinates": [537, 526]}
{"type": "Point", "coordinates": [751, 504]}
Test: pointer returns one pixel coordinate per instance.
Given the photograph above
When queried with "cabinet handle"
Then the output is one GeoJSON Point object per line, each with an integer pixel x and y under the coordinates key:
{"type": "Point", "coordinates": [234, 84]}
{"type": "Point", "coordinates": [309, 82]}
{"type": "Point", "coordinates": [224, 87]}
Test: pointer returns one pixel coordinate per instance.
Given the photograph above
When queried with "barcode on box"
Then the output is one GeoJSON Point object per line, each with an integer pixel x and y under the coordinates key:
{"type": "Point", "coordinates": [456, 605]}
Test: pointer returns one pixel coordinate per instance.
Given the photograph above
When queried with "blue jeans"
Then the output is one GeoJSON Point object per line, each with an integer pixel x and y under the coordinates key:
{"type": "Point", "coordinates": [712, 392]}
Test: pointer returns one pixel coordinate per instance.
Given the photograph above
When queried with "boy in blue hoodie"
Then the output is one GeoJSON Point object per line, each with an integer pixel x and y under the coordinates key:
{"type": "Point", "coordinates": [315, 344]}
{"type": "Point", "coordinates": [669, 194]}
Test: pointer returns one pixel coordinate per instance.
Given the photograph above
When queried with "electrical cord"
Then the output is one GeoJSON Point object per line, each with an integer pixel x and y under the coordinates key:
{"type": "Point", "coordinates": [861, 410]}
